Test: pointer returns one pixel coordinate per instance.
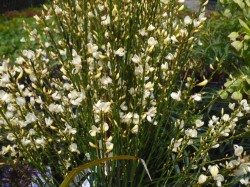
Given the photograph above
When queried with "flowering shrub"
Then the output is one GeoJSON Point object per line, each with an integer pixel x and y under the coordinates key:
{"type": "Point", "coordinates": [118, 78]}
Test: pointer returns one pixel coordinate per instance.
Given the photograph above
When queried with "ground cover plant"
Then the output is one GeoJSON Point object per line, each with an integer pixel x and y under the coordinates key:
{"type": "Point", "coordinates": [110, 78]}
{"type": "Point", "coordinates": [12, 32]}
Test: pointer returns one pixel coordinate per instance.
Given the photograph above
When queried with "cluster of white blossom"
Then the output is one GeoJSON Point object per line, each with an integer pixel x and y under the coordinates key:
{"type": "Point", "coordinates": [109, 73]}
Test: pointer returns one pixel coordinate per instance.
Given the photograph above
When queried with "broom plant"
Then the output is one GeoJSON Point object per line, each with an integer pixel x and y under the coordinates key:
{"type": "Point", "coordinates": [112, 78]}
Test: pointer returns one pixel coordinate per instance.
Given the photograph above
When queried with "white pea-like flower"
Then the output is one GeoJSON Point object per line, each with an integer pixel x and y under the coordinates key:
{"type": "Point", "coordinates": [123, 106]}
{"type": "Point", "coordinates": [102, 107]}
{"type": "Point", "coordinates": [55, 108]}
{"type": "Point", "coordinates": [40, 141]}
{"type": "Point", "coordinates": [134, 130]}
{"type": "Point", "coordinates": [196, 97]}
{"type": "Point", "coordinates": [188, 20]}
{"type": "Point", "coordinates": [136, 59]}
{"type": "Point", "coordinates": [199, 123]}
{"type": "Point", "coordinates": [109, 146]}
{"type": "Point", "coordinates": [238, 150]}
{"type": "Point", "coordinates": [231, 106]}
{"type": "Point", "coordinates": [225, 117]}
{"type": "Point", "coordinates": [48, 121]}
{"type": "Point", "coordinates": [105, 127]}
{"type": "Point", "coordinates": [202, 178]}
{"type": "Point", "coordinates": [58, 10]}
{"type": "Point", "coordinates": [30, 117]}
{"type": "Point", "coordinates": [176, 95]}
{"type": "Point", "coordinates": [94, 130]}
{"type": "Point", "coordinates": [151, 27]}
{"type": "Point", "coordinates": [214, 170]}
{"type": "Point", "coordinates": [244, 181]}
{"type": "Point", "coordinates": [105, 80]}
{"type": "Point", "coordinates": [120, 52]}
{"type": "Point", "coordinates": [11, 137]}
{"type": "Point", "coordinates": [152, 41]}
{"type": "Point", "coordinates": [20, 101]}
{"type": "Point", "coordinates": [191, 133]}
{"type": "Point", "coordinates": [218, 178]}
{"type": "Point", "coordinates": [29, 54]}
{"type": "Point", "coordinates": [25, 141]}
{"type": "Point", "coordinates": [73, 148]}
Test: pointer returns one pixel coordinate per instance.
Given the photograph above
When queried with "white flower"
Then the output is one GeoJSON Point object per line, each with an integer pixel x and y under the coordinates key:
{"type": "Point", "coordinates": [20, 101]}
{"type": "Point", "coordinates": [242, 170]}
{"type": "Point", "coordinates": [109, 146]}
{"type": "Point", "coordinates": [73, 148]}
{"type": "Point", "coordinates": [218, 178]}
{"type": "Point", "coordinates": [120, 52]}
{"type": "Point", "coordinates": [196, 23]}
{"type": "Point", "coordinates": [55, 108]}
{"type": "Point", "coordinates": [56, 96]}
{"type": "Point", "coordinates": [40, 141]}
{"type": "Point", "coordinates": [105, 80]}
{"type": "Point", "coordinates": [5, 150]}
{"type": "Point", "coordinates": [174, 39]}
{"type": "Point", "coordinates": [58, 10]}
{"type": "Point", "coordinates": [226, 117]}
{"type": "Point", "coordinates": [19, 60]}
{"type": "Point", "coordinates": [199, 123]}
{"type": "Point", "coordinates": [94, 130]}
{"type": "Point", "coordinates": [136, 119]}
{"type": "Point", "coordinates": [164, 66]}
{"type": "Point", "coordinates": [134, 130]}
{"type": "Point", "coordinates": [170, 56]}
{"type": "Point", "coordinates": [105, 127]}
{"type": "Point", "coordinates": [87, 156]}
{"type": "Point", "coordinates": [151, 114]}
{"type": "Point", "coordinates": [196, 97]}
{"type": "Point", "coordinates": [214, 170]}
{"type": "Point", "coordinates": [233, 163]}
{"type": "Point", "coordinates": [244, 181]}
{"type": "Point", "coordinates": [202, 178]}
{"type": "Point", "coordinates": [102, 107]}
{"type": "Point", "coordinates": [151, 27]}
{"type": "Point", "coordinates": [152, 41]}
{"type": "Point", "coordinates": [105, 20]}
{"type": "Point", "coordinates": [176, 96]}
{"type": "Point", "coordinates": [177, 143]}
{"type": "Point", "coordinates": [238, 150]}
{"type": "Point", "coordinates": [231, 106]}
{"type": "Point", "coordinates": [29, 54]}
{"type": "Point", "coordinates": [143, 32]}
{"type": "Point", "coordinates": [70, 130]}
{"type": "Point", "coordinates": [187, 20]}
{"type": "Point", "coordinates": [139, 70]}
{"type": "Point", "coordinates": [25, 141]}
{"type": "Point", "coordinates": [77, 61]}
{"type": "Point", "coordinates": [5, 97]}
{"type": "Point", "coordinates": [92, 48]}
{"type": "Point", "coordinates": [136, 59]}
{"type": "Point", "coordinates": [30, 117]}
{"type": "Point", "coordinates": [11, 137]}
{"type": "Point", "coordinates": [191, 133]}
{"type": "Point", "coordinates": [32, 132]}
{"type": "Point", "coordinates": [48, 121]}
{"type": "Point", "coordinates": [76, 97]}
{"type": "Point", "coordinates": [123, 106]}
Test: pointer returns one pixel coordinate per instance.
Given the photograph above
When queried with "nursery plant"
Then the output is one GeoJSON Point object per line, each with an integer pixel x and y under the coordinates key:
{"type": "Point", "coordinates": [116, 79]}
